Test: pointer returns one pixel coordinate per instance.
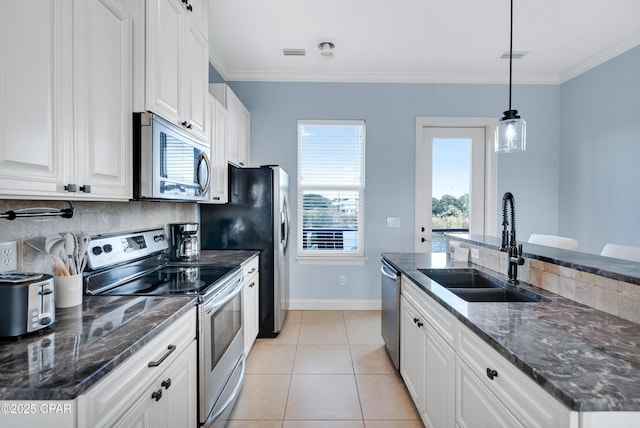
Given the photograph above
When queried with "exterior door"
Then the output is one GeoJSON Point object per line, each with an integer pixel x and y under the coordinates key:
{"type": "Point", "coordinates": [455, 180]}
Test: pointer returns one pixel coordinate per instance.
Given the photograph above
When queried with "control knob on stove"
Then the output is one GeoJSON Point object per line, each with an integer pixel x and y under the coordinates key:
{"type": "Point", "coordinates": [107, 248]}
{"type": "Point", "coordinates": [96, 250]}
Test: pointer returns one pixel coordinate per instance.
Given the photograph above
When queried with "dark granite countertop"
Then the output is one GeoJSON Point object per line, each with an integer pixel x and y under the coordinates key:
{"type": "Point", "coordinates": [226, 257]}
{"type": "Point", "coordinates": [86, 342]}
{"type": "Point", "coordinates": [621, 270]}
{"type": "Point", "coordinates": [587, 359]}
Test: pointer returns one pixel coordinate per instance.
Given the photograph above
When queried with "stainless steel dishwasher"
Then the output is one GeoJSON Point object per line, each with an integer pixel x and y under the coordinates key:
{"type": "Point", "coordinates": [390, 289]}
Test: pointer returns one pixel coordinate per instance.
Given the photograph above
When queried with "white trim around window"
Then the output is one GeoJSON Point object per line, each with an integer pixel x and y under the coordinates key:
{"type": "Point", "coordinates": [331, 161]}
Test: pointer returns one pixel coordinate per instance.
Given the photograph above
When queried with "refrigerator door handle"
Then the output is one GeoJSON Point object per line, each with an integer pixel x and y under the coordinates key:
{"type": "Point", "coordinates": [284, 226]}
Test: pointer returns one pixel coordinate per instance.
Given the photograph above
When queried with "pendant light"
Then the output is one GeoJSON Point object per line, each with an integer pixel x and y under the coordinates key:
{"type": "Point", "coordinates": [511, 134]}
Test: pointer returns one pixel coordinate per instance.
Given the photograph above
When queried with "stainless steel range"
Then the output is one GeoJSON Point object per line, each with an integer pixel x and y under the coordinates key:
{"type": "Point", "coordinates": [137, 264]}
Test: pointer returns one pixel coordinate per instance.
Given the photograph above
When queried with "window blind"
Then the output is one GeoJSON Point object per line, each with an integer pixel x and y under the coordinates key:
{"type": "Point", "coordinates": [330, 188]}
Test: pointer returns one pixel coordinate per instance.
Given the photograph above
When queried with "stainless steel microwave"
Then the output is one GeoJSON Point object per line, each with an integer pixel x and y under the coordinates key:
{"type": "Point", "coordinates": [169, 163]}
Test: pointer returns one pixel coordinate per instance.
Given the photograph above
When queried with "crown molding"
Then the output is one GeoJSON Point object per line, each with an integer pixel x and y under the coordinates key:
{"type": "Point", "coordinates": [601, 57]}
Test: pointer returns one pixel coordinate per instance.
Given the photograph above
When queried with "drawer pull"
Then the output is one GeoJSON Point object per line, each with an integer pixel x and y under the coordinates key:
{"type": "Point", "coordinates": [170, 349]}
{"type": "Point", "coordinates": [251, 271]}
{"type": "Point", "coordinates": [157, 395]}
{"type": "Point", "coordinates": [491, 373]}
{"type": "Point", "coordinates": [252, 284]}
{"type": "Point", "coordinates": [417, 322]}
{"type": "Point", "coordinates": [166, 383]}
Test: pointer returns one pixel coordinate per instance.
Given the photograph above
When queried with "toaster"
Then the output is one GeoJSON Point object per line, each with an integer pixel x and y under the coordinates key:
{"type": "Point", "coordinates": [27, 303]}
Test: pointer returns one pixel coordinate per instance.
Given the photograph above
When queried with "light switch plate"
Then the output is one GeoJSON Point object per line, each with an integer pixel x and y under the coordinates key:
{"type": "Point", "coordinates": [393, 222]}
{"type": "Point", "coordinates": [475, 253]}
{"type": "Point", "coordinates": [8, 256]}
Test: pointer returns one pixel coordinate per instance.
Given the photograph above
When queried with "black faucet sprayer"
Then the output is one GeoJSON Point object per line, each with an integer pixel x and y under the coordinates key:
{"type": "Point", "coordinates": [509, 244]}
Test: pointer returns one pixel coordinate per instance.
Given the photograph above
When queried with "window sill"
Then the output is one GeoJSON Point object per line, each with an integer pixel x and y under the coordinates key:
{"type": "Point", "coordinates": [332, 260]}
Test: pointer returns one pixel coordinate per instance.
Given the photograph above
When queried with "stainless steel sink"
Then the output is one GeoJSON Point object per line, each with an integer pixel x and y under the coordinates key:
{"type": "Point", "coordinates": [472, 285]}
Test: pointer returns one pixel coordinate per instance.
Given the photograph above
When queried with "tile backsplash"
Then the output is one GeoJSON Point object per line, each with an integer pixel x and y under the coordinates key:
{"type": "Point", "coordinates": [608, 295]}
{"type": "Point", "coordinates": [89, 217]}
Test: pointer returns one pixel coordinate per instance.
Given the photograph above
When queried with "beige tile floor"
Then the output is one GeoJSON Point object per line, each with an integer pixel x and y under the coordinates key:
{"type": "Point", "coordinates": [326, 369]}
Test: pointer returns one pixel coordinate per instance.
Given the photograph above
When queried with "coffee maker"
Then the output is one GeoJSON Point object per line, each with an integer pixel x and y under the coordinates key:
{"type": "Point", "coordinates": [183, 240]}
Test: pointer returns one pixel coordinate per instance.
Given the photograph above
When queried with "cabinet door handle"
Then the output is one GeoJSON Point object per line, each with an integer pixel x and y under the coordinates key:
{"type": "Point", "coordinates": [491, 373]}
{"type": "Point", "coordinates": [422, 239]}
{"type": "Point", "coordinates": [157, 395]}
{"type": "Point", "coordinates": [71, 188]}
{"type": "Point", "coordinates": [86, 188]}
{"type": "Point", "coordinates": [170, 349]}
{"type": "Point", "coordinates": [190, 8]}
{"type": "Point", "coordinates": [252, 271]}
{"type": "Point", "coordinates": [166, 383]}
{"type": "Point", "coordinates": [252, 284]}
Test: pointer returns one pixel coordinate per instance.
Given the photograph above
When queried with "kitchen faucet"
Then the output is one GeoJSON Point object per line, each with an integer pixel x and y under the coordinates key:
{"type": "Point", "coordinates": [509, 245]}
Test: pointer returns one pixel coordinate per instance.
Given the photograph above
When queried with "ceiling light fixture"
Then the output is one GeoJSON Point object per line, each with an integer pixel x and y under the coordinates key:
{"type": "Point", "coordinates": [511, 134]}
{"type": "Point", "coordinates": [326, 49]}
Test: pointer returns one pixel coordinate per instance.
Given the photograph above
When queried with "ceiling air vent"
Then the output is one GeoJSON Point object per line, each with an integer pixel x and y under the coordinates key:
{"type": "Point", "coordinates": [293, 52]}
{"type": "Point", "coordinates": [516, 54]}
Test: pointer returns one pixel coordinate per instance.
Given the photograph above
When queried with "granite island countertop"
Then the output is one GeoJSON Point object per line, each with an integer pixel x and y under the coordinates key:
{"type": "Point", "coordinates": [88, 341]}
{"type": "Point", "coordinates": [587, 359]}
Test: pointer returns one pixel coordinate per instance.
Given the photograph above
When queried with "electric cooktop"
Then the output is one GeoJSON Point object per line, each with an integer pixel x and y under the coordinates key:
{"type": "Point", "coordinates": [171, 280]}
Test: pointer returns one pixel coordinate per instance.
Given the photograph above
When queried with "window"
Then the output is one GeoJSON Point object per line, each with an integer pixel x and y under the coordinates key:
{"type": "Point", "coordinates": [331, 188]}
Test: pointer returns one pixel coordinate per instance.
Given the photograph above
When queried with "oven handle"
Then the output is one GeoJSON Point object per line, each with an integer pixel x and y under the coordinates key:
{"type": "Point", "coordinates": [234, 394]}
{"type": "Point", "coordinates": [213, 304]}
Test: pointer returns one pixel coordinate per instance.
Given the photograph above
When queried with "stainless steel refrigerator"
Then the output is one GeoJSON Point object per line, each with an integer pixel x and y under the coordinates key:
{"type": "Point", "coordinates": [256, 218]}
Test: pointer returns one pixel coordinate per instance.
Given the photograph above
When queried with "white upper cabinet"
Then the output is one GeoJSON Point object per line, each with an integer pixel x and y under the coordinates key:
{"type": "Point", "coordinates": [238, 124]}
{"type": "Point", "coordinates": [177, 63]}
{"type": "Point", "coordinates": [218, 152]}
{"type": "Point", "coordinates": [35, 97]}
{"type": "Point", "coordinates": [103, 111]}
{"type": "Point", "coordinates": [65, 100]}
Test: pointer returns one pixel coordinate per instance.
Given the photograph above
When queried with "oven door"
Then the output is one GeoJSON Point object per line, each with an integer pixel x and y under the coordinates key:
{"type": "Point", "coordinates": [221, 343]}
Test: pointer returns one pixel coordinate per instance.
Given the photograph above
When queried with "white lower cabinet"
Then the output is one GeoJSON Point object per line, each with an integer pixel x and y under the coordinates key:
{"type": "Point", "coordinates": [412, 352]}
{"type": "Point", "coordinates": [458, 380]}
{"type": "Point", "coordinates": [155, 387]}
{"type": "Point", "coordinates": [439, 388]}
{"type": "Point", "coordinates": [427, 365]}
{"type": "Point", "coordinates": [476, 406]}
{"type": "Point", "coordinates": [251, 298]}
{"type": "Point", "coordinates": [167, 402]}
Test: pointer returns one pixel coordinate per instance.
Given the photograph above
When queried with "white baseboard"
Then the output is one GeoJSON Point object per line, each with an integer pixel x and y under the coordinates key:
{"type": "Point", "coordinates": [329, 304]}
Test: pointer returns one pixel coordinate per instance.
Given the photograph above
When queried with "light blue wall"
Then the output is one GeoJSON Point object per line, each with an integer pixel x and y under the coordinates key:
{"type": "Point", "coordinates": [390, 112]}
{"type": "Point", "coordinates": [600, 154]}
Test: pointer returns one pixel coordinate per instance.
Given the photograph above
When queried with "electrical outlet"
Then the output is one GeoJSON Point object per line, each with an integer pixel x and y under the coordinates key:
{"type": "Point", "coordinates": [8, 256]}
{"type": "Point", "coordinates": [342, 280]}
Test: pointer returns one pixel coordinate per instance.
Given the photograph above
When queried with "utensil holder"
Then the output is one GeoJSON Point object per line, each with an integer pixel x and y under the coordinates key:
{"type": "Point", "coordinates": [68, 291]}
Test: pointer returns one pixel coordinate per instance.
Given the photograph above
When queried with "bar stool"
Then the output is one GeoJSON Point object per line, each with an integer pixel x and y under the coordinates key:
{"type": "Point", "coordinates": [554, 241]}
{"type": "Point", "coordinates": [621, 252]}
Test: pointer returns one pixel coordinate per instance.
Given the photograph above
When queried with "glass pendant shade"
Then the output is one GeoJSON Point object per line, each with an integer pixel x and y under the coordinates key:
{"type": "Point", "coordinates": [511, 133]}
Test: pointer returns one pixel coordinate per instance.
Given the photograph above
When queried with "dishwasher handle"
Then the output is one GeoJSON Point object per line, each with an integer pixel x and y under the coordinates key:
{"type": "Point", "coordinates": [388, 271]}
